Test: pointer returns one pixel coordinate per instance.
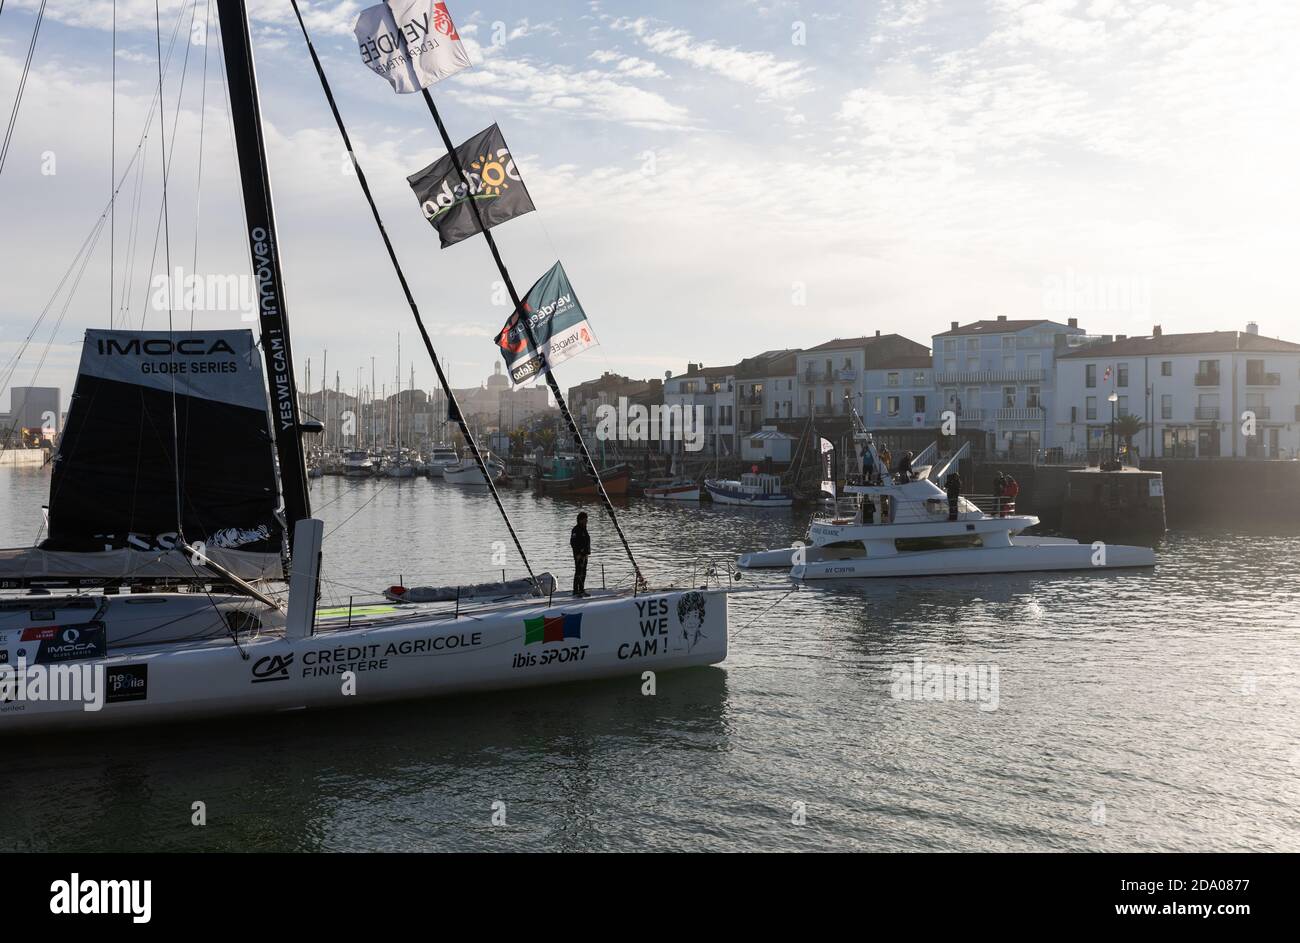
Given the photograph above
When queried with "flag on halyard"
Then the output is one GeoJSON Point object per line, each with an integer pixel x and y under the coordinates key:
{"type": "Point", "coordinates": [1106, 375]}
{"type": "Point", "coordinates": [559, 324]}
{"type": "Point", "coordinates": [412, 43]}
{"type": "Point", "coordinates": [494, 185]}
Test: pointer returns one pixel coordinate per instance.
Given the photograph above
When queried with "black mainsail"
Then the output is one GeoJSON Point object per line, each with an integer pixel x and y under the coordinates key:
{"type": "Point", "coordinates": [114, 481]}
{"type": "Point", "coordinates": [259, 215]}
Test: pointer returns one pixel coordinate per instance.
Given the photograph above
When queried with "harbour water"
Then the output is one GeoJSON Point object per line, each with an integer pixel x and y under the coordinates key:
{"type": "Point", "coordinates": [1127, 711]}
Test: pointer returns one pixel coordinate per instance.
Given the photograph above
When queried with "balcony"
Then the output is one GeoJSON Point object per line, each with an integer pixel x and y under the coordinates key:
{"type": "Point", "coordinates": [846, 375]}
{"type": "Point", "coordinates": [990, 376]}
{"type": "Point", "coordinates": [1263, 379]}
{"type": "Point", "coordinates": [754, 399]}
{"type": "Point", "coordinates": [1020, 414]}
{"type": "Point", "coordinates": [1207, 413]}
{"type": "Point", "coordinates": [1261, 412]}
{"type": "Point", "coordinates": [1208, 379]}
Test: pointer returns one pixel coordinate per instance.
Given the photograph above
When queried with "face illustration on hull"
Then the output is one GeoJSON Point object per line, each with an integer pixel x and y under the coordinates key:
{"type": "Point", "coordinates": [690, 615]}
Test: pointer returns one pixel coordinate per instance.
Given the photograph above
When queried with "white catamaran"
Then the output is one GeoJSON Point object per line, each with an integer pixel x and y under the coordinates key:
{"type": "Point", "coordinates": [183, 568]}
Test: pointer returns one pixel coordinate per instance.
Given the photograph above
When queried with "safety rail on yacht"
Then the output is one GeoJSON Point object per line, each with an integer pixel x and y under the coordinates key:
{"type": "Point", "coordinates": [888, 510]}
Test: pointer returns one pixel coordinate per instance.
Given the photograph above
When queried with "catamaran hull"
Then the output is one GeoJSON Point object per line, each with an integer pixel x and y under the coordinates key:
{"type": "Point", "coordinates": [519, 646]}
{"type": "Point", "coordinates": [1018, 558]}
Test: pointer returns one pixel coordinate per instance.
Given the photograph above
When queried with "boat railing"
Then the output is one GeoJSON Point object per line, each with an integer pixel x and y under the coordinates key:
{"type": "Point", "coordinates": [917, 512]}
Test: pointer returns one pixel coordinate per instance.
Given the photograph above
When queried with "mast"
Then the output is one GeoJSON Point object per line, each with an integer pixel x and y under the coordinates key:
{"type": "Point", "coordinates": [259, 216]}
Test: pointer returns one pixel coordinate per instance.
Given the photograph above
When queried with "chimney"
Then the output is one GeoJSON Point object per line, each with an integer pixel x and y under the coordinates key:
{"type": "Point", "coordinates": [1252, 328]}
{"type": "Point", "coordinates": [877, 332]}
{"type": "Point", "coordinates": [954, 325]}
{"type": "Point", "coordinates": [1155, 331]}
{"type": "Point", "coordinates": [1121, 337]}
{"type": "Point", "coordinates": [1002, 317]}
{"type": "Point", "coordinates": [1073, 322]}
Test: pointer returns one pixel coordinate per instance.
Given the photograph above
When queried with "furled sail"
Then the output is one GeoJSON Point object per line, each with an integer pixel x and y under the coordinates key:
{"type": "Point", "coordinates": [115, 479]}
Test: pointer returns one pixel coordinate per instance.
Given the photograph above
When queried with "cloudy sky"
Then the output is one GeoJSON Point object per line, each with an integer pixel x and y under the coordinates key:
{"type": "Point", "coordinates": [718, 178]}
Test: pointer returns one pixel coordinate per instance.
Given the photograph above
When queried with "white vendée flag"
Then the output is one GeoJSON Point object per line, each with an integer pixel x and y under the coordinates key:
{"type": "Point", "coordinates": [412, 43]}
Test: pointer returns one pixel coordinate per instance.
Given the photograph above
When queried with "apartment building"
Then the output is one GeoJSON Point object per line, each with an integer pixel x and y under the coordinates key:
{"type": "Point", "coordinates": [999, 376]}
{"type": "Point", "coordinates": [859, 368]}
{"type": "Point", "coordinates": [765, 389]}
{"type": "Point", "coordinates": [714, 389]}
{"type": "Point", "coordinates": [1204, 395]}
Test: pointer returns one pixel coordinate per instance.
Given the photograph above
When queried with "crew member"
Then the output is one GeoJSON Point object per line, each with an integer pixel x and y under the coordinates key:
{"type": "Point", "coordinates": [952, 484]}
{"type": "Point", "coordinates": [580, 542]}
{"type": "Point", "coordinates": [1012, 490]}
{"type": "Point", "coordinates": [905, 468]}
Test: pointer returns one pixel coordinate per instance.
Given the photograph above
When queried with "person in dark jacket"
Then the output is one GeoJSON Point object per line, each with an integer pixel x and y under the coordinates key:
{"type": "Point", "coordinates": [905, 468]}
{"type": "Point", "coordinates": [952, 484]}
{"type": "Point", "coordinates": [580, 543]}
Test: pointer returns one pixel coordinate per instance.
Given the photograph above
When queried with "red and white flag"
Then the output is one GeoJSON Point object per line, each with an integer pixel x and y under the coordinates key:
{"type": "Point", "coordinates": [412, 43]}
{"type": "Point", "coordinates": [1106, 375]}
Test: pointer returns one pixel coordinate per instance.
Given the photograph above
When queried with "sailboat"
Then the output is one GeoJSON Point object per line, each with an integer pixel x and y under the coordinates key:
{"type": "Point", "coordinates": [213, 537]}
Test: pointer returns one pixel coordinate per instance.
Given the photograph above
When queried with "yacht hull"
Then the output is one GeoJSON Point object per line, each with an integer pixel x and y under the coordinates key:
{"type": "Point", "coordinates": [1017, 558]}
{"type": "Point", "coordinates": [404, 654]}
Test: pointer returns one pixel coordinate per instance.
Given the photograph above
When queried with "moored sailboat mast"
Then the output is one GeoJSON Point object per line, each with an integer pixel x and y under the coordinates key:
{"type": "Point", "coordinates": [259, 215]}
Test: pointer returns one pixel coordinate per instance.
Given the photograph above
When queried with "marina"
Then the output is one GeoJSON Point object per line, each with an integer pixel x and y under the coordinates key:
{"type": "Point", "coordinates": [583, 428]}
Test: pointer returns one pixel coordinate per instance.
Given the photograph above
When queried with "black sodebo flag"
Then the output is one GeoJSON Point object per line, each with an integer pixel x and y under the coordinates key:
{"type": "Point", "coordinates": [494, 185]}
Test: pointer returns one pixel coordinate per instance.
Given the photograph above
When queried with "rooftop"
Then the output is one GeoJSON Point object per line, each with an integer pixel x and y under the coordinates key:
{"type": "Point", "coordinates": [1204, 342]}
{"type": "Point", "coordinates": [998, 326]}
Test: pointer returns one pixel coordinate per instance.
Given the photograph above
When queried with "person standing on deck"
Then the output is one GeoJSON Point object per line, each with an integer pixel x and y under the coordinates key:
{"type": "Point", "coordinates": [580, 543]}
{"type": "Point", "coordinates": [952, 484]}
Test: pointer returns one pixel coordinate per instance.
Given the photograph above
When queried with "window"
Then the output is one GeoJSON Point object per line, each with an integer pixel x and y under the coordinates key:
{"type": "Point", "coordinates": [1032, 394]}
{"type": "Point", "coordinates": [724, 415]}
{"type": "Point", "coordinates": [878, 405]}
{"type": "Point", "coordinates": [828, 399]}
{"type": "Point", "coordinates": [1008, 397]}
{"type": "Point", "coordinates": [919, 379]}
{"type": "Point", "coordinates": [891, 379]}
{"type": "Point", "coordinates": [828, 366]}
{"type": "Point", "coordinates": [1008, 361]}
{"type": "Point", "coordinates": [708, 416]}
{"type": "Point", "coordinates": [972, 343]}
{"type": "Point", "coordinates": [950, 345]}
{"type": "Point", "coordinates": [848, 363]}
{"type": "Point", "coordinates": [1166, 406]}
{"type": "Point", "coordinates": [1033, 361]}
{"type": "Point", "coordinates": [1166, 368]}
{"type": "Point", "coordinates": [1090, 376]}
{"type": "Point", "coordinates": [972, 364]}
{"type": "Point", "coordinates": [950, 365]}
{"type": "Point", "coordinates": [1121, 374]}
{"type": "Point", "coordinates": [1091, 410]}
{"type": "Point", "coordinates": [918, 404]}
{"type": "Point", "coordinates": [1121, 406]}
{"type": "Point", "coordinates": [1008, 343]}
{"type": "Point", "coordinates": [893, 405]}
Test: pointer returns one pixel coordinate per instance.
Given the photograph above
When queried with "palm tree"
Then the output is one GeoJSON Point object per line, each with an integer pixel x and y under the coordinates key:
{"type": "Point", "coordinates": [1126, 427]}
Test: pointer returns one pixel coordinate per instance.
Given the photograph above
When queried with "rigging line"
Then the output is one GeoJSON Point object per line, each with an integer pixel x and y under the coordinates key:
{"type": "Point", "coordinates": [22, 85]}
{"type": "Point", "coordinates": [112, 173]}
{"type": "Point", "coordinates": [168, 155]}
{"type": "Point", "coordinates": [340, 525]}
{"type": "Point", "coordinates": [526, 323]}
{"type": "Point", "coordinates": [410, 298]}
{"type": "Point", "coordinates": [198, 183]}
{"type": "Point", "coordinates": [167, 245]}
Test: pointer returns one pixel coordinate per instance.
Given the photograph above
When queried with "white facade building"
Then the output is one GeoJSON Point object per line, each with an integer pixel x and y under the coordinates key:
{"type": "Point", "coordinates": [1206, 395]}
{"type": "Point", "coordinates": [999, 376]}
{"type": "Point", "coordinates": [861, 368]}
{"type": "Point", "coordinates": [713, 388]}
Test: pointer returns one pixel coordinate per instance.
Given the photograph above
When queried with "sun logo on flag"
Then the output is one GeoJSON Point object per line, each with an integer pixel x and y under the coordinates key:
{"type": "Point", "coordinates": [492, 175]}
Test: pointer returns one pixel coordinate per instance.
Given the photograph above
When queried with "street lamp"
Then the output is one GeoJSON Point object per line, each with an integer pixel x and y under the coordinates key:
{"type": "Point", "coordinates": [1114, 446]}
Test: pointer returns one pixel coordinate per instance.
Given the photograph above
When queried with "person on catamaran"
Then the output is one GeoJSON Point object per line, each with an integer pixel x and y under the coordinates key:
{"type": "Point", "coordinates": [886, 462]}
{"type": "Point", "coordinates": [952, 484]}
{"type": "Point", "coordinates": [1010, 490]}
{"type": "Point", "coordinates": [580, 543]}
{"type": "Point", "coordinates": [905, 468]}
{"type": "Point", "coordinates": [999, 493]}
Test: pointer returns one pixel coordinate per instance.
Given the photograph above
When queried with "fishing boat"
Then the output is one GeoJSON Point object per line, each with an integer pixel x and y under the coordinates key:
{"type": "Point", "coordinates": [673, 491]}
{"type": "Point", "coordinates": [212, 538]}
{"type": "Point", "coordinates": [566, 476]}
{"type": "Point", "coordinates": [753, 489]}
{"type": "Point", "coordinates": [881, 526]}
